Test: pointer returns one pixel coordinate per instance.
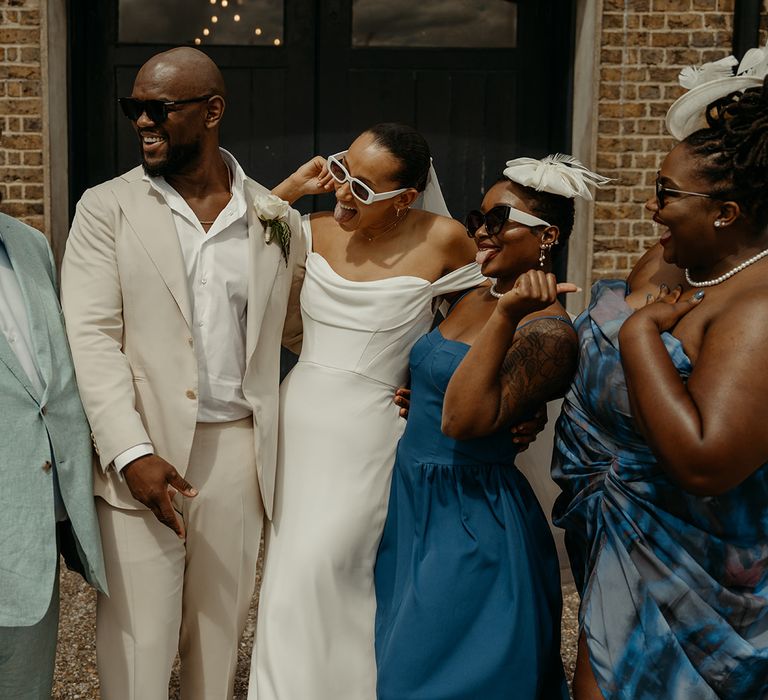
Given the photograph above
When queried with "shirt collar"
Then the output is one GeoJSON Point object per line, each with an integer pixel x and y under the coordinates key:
{"type": "Point", "coordinates": [237, 204]}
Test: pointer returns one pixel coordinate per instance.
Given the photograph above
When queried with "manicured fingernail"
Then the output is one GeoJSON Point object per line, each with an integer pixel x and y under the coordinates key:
{"type": "Point", "coordinates": [699, 295]}
{"type": "Point", "coordinates": [193, 492]}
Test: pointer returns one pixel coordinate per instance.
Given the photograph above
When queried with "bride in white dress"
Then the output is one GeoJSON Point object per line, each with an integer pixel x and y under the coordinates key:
{"type": "Point", "coordinates": [374, 270]}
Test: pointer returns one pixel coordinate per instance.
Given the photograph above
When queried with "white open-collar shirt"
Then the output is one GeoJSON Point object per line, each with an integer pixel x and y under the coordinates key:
{"type": "Point", "coordinates": [216, 264]}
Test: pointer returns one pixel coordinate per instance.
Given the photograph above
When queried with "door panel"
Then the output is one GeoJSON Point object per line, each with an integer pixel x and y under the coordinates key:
{"type": "Point", "coordinates": [269, 120]}
{"type": "Point", "coordinates": [477, 107]}
{"type": "Point", "coordinates": [315, 92]}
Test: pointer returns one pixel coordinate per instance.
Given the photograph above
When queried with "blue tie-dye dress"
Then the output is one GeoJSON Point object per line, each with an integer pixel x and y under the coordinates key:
{"type": "Point", "coordinates": [674, 587]}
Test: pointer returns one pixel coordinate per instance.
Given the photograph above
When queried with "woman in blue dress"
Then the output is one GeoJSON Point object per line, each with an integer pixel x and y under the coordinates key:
{"type": "Point", "coordinates": [661, 448]}
{"type": "Point", "coordinates": [467, 578]}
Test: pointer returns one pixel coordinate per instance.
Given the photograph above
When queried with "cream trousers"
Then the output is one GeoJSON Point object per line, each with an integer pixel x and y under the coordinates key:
{"type": "Point", "coordinates": [168, 594]}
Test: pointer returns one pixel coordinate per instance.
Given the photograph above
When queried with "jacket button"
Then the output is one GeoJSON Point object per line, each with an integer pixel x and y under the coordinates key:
{"type": "Point", "coordinates": [191, 394]}
{"type": "Point", "coordinates": [46, 466]}
{"type": "Point", "coordinates": [191, 342]}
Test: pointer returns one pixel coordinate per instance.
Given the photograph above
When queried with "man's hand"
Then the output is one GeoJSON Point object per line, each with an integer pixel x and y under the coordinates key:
{"type": "Point", "coordinates": [152, 481]}
{"type": "Point", "coordinates": [526, 432]}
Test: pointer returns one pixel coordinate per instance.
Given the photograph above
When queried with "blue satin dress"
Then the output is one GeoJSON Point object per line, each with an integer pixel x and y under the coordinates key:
{"type": "Point", "coordinates": [674, 587]}
{"type": "Point", "coordinates": [467, 577]}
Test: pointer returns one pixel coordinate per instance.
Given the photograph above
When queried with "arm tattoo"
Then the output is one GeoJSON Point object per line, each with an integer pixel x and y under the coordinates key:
{"type": "Point", "coordinates": [539, 367]}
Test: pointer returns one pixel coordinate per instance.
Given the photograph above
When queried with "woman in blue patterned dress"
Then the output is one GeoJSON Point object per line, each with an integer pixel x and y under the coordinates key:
{"type": "Point", "coordinates": [467, 579]}
{"type": "Point", "coordinates": [661, 449]}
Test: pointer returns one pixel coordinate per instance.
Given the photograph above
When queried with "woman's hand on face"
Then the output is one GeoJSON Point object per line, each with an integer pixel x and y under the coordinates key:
{"type": "Point", "coordinates": [533, 291]}
{"type": "Point", "coordinates": [313, 177]}
{"type": "Point", "coordinates": [664, 311]}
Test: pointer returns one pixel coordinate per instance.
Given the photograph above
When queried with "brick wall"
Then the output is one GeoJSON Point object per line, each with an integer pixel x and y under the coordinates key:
{"type": "Point", "coordinates": [644, 45]}
{"type": "Point", "coordinates": [21, 112]}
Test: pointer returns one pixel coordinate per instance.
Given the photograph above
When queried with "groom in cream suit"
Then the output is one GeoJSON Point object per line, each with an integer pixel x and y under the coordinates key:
{"type": "Point", "coordinates": [175, 305]}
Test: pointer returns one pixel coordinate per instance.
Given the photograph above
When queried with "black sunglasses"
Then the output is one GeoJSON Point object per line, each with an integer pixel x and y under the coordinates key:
{"type": "Point", "coordinates": [499, 215]}
{"type": "Point", "coordinates": [662, 191]}
{"type": "Point", "coordinates": [156, 110]}
{"type": "Point", "coordinates": [494, 220]}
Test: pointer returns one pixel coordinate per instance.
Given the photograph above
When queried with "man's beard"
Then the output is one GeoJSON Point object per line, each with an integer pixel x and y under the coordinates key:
{"type": "Point", "coordinates": [178, 158]}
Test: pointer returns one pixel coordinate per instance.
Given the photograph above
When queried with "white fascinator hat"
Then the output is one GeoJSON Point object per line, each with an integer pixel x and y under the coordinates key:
{"type": "Point", "coordinates": [710, 82]}
{"type": "Point", "coordinates": [557, 174]}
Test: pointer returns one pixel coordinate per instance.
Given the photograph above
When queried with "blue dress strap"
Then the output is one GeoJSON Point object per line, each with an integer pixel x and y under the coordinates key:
{"type": "Point", "coordinates": [457, 300]}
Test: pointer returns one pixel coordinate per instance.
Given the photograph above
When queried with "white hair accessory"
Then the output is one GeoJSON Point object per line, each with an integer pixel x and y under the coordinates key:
{"type": "Point", "coordinates": [710, 82]}
{"type": "Point", "coordinates": [557, 174]}
{"type": "Point", "coordinates": [693, 76]}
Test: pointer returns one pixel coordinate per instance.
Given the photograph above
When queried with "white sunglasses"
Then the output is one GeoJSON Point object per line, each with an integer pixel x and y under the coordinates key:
{"type": "Point", "coordinates": [357, 187]}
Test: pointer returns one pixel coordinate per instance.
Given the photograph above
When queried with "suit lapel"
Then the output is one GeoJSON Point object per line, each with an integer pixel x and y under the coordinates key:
{"type": "Point", "coordinates": [151, 219]}
{"type": "Point", "coordinates": [8, 358]}
{"type": "Point", "coordinates": [30, 274]}
{"type": "Point", "coordinates": [264, 263]}
{"type": "Point", "coordinates": [38, 326]}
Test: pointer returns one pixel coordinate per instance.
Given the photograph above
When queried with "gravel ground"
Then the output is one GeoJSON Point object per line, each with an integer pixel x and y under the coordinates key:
{"type": "Point", "coordinates": [76, 678]}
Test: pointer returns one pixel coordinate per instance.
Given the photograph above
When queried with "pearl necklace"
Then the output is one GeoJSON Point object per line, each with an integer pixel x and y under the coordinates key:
{"type": "Point", "coordinates": [493, 292]}
{"type": "Point", "coordinates": [727, 275]}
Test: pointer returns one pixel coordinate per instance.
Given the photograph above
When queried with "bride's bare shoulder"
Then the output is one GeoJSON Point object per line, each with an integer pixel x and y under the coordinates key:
{"type": "Point", "coordinates": [450, 237]}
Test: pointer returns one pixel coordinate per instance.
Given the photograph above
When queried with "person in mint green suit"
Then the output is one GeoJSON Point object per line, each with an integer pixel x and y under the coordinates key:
{"type": "Point", "coordinates": [46, 477]}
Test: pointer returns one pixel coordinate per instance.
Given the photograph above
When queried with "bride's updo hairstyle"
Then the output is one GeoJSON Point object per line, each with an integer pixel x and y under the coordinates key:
{"type": "Point", "coordinates": [733, 151]}
{"type": "Point", "coordinates": [410, 148]}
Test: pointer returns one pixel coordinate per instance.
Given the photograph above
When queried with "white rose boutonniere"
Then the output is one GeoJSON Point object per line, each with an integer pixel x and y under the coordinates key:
{"type": "Point", "coordinates": [273, 213]}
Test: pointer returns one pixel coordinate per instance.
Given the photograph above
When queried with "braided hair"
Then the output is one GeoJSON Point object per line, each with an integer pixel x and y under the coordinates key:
{"type": "Point", "coordinates": [733, 151]}
{"type": "Point", "coordinates": [410, 148]}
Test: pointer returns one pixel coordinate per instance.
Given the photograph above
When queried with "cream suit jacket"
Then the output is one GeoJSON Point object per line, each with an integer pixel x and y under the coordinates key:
{"type": "Point", "coordinates": [128, 316]}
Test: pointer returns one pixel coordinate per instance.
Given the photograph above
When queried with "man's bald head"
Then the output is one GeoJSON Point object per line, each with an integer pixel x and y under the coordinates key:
{"type": "Point", "coordinates": [176, 138]}
{"type": "Point", "coordinates": [184, 71]}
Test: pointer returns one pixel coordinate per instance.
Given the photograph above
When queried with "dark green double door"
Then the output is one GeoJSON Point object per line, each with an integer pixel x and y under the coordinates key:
{"type": "Point", "coordinates": [312, 93]}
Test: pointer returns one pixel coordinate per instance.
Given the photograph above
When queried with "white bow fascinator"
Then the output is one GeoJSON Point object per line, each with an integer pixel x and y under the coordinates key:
{"type": "Point", "coordinates": [557, 174]}
{"type": "Point", "coordinates": [710, 82]}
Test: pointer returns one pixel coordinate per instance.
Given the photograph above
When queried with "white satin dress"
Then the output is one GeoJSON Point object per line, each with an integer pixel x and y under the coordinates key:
{"type": "Point", "coordinates": [338, 432]}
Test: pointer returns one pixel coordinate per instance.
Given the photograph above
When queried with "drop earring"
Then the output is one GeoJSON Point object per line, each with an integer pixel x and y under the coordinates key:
{"type": "Point", "coordinates": [543, 249]}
